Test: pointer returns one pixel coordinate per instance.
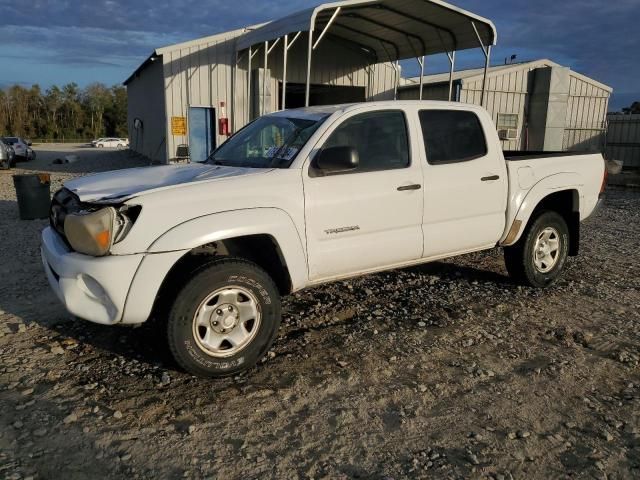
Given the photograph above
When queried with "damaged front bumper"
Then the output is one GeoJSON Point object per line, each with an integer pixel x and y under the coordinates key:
{"type": "Point", "coordinates": [92, 288]}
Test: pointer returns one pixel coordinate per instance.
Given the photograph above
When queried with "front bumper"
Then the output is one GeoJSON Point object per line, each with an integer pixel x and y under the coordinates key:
{"type": "Point", "coordinates": [92, 288]}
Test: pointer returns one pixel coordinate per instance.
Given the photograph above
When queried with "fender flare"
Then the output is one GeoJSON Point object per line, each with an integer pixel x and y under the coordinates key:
{"type": "Point", "coordinates": [174, 244]}
{"type": "Point", "coordinates": [558, 182]}
{"type": "Point", "coordinates": [239, 223]}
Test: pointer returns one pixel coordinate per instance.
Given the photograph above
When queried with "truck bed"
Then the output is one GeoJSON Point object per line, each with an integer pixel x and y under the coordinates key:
{"type": "Point", "coordinates": [515, 155]}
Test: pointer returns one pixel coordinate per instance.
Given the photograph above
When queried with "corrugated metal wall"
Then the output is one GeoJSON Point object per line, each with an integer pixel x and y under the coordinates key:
{"type": "Point", "coordinates": [202, 76]}
{"type": "Point", "coordinates": [197, 76]}
{"type": "Point", "coordinates": [146, 101]}
{"type": "Point", "coordinates": [623, 139]}
{"type": "Point", "coordinates": [586, 116]}
{"type": "Point", "coordinates": [506, 93]}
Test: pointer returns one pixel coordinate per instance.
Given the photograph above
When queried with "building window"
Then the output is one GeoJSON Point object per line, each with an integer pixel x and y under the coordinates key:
{"type": "Point", "coordinates": [507, 120]}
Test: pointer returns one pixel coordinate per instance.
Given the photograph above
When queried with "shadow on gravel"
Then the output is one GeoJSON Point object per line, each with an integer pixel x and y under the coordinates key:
{"type": "Point", "coordinates": [147, 344]}
{"type": "Point", "coordinates": [453, 271]}
{"type": "Point", "coordinates": [10, 209]}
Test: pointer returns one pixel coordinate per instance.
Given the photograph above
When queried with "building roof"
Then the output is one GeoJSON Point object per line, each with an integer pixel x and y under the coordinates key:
{"type": "Point", "coordinates": [158, 52]}
{"type": "Point", "coordinates": [475, 74]}
{"type": "Point", "coordinates": [389, 29]}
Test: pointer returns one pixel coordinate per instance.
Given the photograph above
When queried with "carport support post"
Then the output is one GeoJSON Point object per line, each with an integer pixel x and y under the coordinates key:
{"type": "Point", "coordinates": [264, 79]}
{"type": "Point", "coordinates": [287, 46]}
{"type": "Point", "coordinates": [421, 62]}
{"type": "Point", "coordinates": [307, 95]}
{"type": "Point", "coordinates": [284, 73]}
{"type": "Point", "coordinates": [313, 46]}
{"type": "Point", "coordinates": [249, 85]}
{"type": "Point", "coordinates": [452, 63]}
{"type": "Point", "coordinates": [487, 59]}
{"type": "Point", "coordinates": [484, 77]}
{"type": "Point", "coordinates": [397, 80]}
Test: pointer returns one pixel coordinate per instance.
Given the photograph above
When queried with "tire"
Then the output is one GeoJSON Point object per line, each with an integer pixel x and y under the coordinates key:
{"type": "Point", "coordinates": [231, 303]}
{"type": "Point", "coordinates": [100, 146]}
{"type": "Point", "coordinates": [535, 261]}
{"type": "Point", "coordinates": [120, 146]}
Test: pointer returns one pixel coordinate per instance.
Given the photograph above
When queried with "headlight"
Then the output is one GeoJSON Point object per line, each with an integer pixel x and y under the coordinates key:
{"type": "Point", "coordinates": [91, 233]}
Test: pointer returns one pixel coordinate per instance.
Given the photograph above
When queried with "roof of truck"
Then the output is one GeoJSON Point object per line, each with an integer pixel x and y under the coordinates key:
{"type": "Point", "coordinates": [320, 111]}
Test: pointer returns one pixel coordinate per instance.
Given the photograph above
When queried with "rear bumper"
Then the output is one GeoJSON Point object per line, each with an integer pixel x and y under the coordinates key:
{"type": "Point", "coordinates": [91, 288]}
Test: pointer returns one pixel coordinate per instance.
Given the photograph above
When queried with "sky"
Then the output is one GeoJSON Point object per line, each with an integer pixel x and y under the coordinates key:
{"type": "Point", "coordinates": [84, 41]}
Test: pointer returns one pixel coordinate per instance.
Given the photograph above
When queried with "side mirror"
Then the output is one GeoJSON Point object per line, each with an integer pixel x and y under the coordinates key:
{"type": "Point", "coordinates": [29, 144]}
{"type": "Point", "coordinates": [337, 159]}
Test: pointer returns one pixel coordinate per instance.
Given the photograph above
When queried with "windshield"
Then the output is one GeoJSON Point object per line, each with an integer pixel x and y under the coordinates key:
{"type": "Point", "coordinates": [10, 140]}
{"type": "Point", "coordinates": [268, 142]}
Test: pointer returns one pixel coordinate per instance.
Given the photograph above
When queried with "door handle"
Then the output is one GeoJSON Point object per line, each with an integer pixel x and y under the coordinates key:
{"type": "Point", "coordinates": [406, 188]}
{"type": "Point", "coordinates": [490, 178]}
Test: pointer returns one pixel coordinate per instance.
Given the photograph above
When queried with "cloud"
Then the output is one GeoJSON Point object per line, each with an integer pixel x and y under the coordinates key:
{"type": "Point", "coordinates": [594, 37]}
{"type": "Point", "coordinates": [599, 39]}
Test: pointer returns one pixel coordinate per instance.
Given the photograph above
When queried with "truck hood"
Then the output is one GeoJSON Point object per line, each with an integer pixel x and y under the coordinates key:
{"type": "Point", "coordinates": [121, 185]}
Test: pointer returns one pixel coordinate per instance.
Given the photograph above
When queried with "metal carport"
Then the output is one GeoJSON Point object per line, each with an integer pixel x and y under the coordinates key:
{"type": "Point", "coordinates": [387, 30]}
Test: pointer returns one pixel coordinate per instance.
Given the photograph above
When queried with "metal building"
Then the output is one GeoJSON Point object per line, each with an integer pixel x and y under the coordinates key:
{"type": "Point", "coordinates": [537, 105]}
{"type": "Point", "coordinates": [194, 93]}
{"type": "Point", "coordinates": [623, 139]}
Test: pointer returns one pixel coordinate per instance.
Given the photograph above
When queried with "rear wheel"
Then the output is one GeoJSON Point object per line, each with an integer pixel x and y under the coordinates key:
{"type": "Point", "coordinates": [224, 319]}
{"type": "Point", "coordinates": [538, 258]}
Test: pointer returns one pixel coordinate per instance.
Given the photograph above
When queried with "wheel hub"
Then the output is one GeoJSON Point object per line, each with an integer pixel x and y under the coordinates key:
{"type": "Point", "coordinates": [546, 250]}
{"type": "Point", "coordinates": [226, 321]}
{"type": "Point", "coordinates": [224, 318]}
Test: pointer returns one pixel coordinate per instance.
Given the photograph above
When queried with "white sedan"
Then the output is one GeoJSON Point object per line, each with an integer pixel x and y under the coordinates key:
{"type": "Point", "coordinates": [112, 143]}
{"type": "Point", "coordinates": [20, 146]}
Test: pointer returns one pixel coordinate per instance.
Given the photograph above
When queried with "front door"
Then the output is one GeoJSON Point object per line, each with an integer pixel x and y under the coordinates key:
{"type": "Point", "coordinates": [202, 133]}
{"type": "Point", "coordinates": [369, 217]}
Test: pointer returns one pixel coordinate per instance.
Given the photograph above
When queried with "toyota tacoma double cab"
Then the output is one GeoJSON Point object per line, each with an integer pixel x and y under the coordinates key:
{"type": "Point", "coordinates": [303, 197]}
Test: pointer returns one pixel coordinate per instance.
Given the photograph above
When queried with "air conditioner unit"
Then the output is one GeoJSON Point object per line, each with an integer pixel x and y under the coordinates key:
{"type": "Point", "coordinates": [508, 134]}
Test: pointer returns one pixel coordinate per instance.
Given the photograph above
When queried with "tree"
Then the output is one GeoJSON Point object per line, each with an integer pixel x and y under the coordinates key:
{"type": "Point", "coordinates": [66, 112]}
{"type": "Point", "coordinates": [633, 109]}
{"type": "Point", "coordinates": [116, 113]}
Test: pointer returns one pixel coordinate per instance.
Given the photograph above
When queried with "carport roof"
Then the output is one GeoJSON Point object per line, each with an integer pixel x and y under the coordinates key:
{"type": "Point", "coordinates": [391, 29]}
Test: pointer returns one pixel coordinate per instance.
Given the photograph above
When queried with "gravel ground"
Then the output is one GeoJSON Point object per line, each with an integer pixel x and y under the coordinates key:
{"type": "Point", "coordinates": [447, 370]}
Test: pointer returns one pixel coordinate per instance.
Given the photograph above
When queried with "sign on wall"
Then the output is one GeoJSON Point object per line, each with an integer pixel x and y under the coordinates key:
{"type": "Point", "coordinates": [178, 125]}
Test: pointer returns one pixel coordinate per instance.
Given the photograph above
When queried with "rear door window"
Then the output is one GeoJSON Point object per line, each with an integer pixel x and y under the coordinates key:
{"type": "Point", "coordinates": [452, 136]}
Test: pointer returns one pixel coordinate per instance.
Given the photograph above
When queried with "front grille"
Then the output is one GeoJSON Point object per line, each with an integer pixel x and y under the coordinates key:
{"type": "Point", "coordinates": [63, 203]}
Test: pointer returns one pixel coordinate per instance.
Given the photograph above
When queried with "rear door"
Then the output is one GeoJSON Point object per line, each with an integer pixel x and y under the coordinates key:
{"type": "Point", "coordinates": [370, 217]}
{"type": "Point", "coordinates": [465, 174]}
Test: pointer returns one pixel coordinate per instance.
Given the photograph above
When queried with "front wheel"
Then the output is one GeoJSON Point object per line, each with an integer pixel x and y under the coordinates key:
{"type": "Point", "coordinates": [224, 319]}
{"type": "Point", "coordinates": [538, 258]}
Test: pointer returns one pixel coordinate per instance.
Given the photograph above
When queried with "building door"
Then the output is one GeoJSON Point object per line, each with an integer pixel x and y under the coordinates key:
{"type": "Point", "coordinates": [202, 132]}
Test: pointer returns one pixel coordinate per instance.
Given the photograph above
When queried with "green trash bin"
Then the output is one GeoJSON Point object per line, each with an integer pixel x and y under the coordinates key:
{"type": "Point", "coordinates": [34, 195]}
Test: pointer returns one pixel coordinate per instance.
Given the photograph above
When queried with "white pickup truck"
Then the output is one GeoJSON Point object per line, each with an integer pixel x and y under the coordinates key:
{"type": "Point", "coordinates": [303, 197]}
